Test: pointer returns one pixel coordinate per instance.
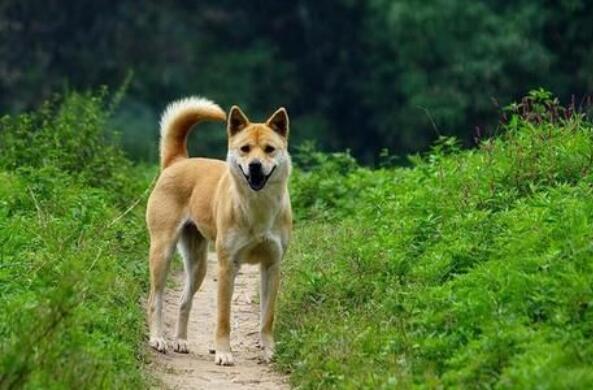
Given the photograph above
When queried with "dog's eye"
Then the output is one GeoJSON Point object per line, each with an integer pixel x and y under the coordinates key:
{"type": "Point", "coordinates": [269, 149]}
{"type": "Point", "coordinates": [245, 148]}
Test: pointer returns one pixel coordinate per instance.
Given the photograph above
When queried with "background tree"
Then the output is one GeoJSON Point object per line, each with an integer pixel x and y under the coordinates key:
{"type": "Point", "coordinates": [355, 74]}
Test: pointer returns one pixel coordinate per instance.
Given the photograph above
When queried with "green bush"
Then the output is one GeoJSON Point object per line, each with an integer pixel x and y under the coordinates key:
{"type": "Point", "coordinates": [471, 269]}
{"type": "Point", "coordinates": [321, 186]}
{"type": "Point", "coordinates": [72, 264]}
{"type": "Point", "coordinates": [70, 134]}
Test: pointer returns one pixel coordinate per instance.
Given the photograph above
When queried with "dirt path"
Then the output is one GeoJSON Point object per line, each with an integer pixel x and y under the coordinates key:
{"type": "Point", "coordinates": [197, 370]}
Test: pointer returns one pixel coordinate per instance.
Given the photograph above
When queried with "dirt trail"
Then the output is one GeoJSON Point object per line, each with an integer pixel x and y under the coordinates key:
{"type": "Point", "coordinates": [197, 370]}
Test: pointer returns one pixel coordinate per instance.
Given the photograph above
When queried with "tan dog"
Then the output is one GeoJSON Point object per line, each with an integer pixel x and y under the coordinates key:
{"type": "Point", "coordinates": [242, 205]}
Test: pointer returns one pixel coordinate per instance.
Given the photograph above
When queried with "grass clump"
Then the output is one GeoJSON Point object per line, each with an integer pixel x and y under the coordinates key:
{"type": "Point", "coordinates": [72, 267]}
{"type": "Point", "coordinates": [471, 269]}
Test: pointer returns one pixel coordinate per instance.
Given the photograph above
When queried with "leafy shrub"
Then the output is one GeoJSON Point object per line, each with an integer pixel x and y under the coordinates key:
{"type": "Point", "coordinates": [71, 135]}
{"type": "Point", "coordinates": [471, 269]}
{"type": "Point", "coordinates": [72, 265]}
{"type": "Point", "coordinates": [325, 184]}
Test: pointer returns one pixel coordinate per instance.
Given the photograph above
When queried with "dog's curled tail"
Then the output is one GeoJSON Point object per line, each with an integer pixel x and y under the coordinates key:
{"type": "Point", "coordinates": [178, 119]}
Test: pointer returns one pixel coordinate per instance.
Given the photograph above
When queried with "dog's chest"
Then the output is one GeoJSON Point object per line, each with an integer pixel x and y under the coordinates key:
{"type": "Point", "coordinates": [260, 231]}
{"type": "Point", "coordinates": [257, 232]}
{"type": "Point", "coordinates": [262, 237]}
{"type": "Point", "coordinates": [261, 218]}
{"type": "Point", "coordinates": [253, 245]}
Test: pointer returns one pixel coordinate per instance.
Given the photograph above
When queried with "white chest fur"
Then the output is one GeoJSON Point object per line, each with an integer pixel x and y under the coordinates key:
{"type": "Point", "coordinates": [260, 226]}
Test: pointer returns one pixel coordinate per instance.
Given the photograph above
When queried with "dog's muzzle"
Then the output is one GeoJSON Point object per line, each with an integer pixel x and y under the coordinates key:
{"type": "Point", "coordinates": [256, 177]}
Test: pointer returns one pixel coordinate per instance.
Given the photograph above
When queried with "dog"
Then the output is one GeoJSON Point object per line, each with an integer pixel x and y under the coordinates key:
{"type": "Point", "coordinates": [241, 205]}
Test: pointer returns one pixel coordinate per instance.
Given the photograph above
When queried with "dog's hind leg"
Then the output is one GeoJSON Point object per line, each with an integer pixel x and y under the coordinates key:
{"type": "Point", "coordinates": [194, 250]}
{"type": "Point", "coordinates": [163, 238]}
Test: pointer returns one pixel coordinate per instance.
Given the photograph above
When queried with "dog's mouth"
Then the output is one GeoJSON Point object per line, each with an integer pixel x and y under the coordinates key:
{"type": "Point", "coordinates": [256, 178]}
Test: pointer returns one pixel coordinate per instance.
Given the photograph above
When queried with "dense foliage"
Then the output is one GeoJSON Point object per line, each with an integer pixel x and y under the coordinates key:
{"type": "Point", "coordinates": [468, 269]}
{"type": "Point", "coordinates": [356, 74]}
{"type": "Point", "coordinates": [471, 269]}
{"type": "Point", "coordinates": [72, 264]}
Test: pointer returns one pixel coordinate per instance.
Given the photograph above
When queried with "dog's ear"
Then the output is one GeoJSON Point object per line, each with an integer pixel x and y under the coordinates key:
{"type": "Point", "coordinates": [237, 121]}
{"type": "Point", "coordinates": [279, 122]}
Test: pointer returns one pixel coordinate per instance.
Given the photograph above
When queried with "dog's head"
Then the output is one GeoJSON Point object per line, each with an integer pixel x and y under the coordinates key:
{"type": "Point", "coordinates": [258, 152]}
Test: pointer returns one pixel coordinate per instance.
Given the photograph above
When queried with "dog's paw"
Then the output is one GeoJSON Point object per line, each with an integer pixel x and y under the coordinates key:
{"type": "Point", "coordinates": [266, 344]}
{"type": "Point", "coordinates": [268, 355]}
{"type": "Point", "coordinates": [224, 358]}
{"type": "Point", "coordinates": [181, 346]}
{"type": "Point", "coordinates": [159, 344]}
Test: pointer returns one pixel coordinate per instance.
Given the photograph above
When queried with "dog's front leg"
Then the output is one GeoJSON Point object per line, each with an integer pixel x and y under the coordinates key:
{"type": "Point", "coordinates": [226, 283]}
{"type": "Point", "coordinates": [270, 280]}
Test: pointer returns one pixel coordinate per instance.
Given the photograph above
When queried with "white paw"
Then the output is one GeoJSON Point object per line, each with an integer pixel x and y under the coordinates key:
{"type": "Point", "coordinates": [266, 344]}
{"type": "Point", "coordinates": [268, 355]}
{"type": "Point", "coordinates": [159, 344]}
{"type": "Point", "coordinates": [181, 346]}
{"type": "Point", "coordinates": [224, 358]}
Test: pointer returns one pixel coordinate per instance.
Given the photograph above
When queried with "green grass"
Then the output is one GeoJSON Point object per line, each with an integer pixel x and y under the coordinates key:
{"type": "Point", "coordinates": [72, 264]}
{"type": "Point", "coordinates": [472, 269]}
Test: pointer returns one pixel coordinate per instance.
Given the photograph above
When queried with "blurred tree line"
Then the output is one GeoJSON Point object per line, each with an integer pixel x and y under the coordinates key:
{"type": "Point", "coordinates": [363, 75]}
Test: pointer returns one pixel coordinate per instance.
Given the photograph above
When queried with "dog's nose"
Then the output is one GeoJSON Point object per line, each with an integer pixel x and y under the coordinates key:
{"type": "Point", "coordinates": [255, 166]}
